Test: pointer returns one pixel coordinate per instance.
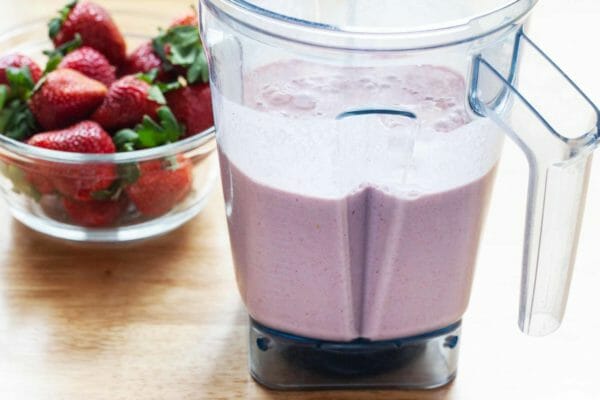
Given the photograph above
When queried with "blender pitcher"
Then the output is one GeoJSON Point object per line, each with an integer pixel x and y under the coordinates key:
{"type": "Point", "coordinates": [358, 143]}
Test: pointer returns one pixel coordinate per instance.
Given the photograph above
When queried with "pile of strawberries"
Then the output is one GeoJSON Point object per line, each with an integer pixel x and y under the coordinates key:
{"type": "Point", "coordinates": [91, 97]}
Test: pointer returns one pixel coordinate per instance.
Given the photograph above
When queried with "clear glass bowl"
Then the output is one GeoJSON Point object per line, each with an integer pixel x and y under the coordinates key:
{"type": "Point", "coordinates": [35, 182]}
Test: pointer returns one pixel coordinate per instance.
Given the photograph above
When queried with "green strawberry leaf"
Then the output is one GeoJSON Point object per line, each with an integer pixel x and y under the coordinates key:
{"type": "Point", "coordinates": [150, 133]}
{"type": "Point", "coordinates": [129, 173]}
{"type": "Point", "coordinates": [20, 82]}
{"type": "Point", "coordinates": [158, 45]}
{"type": "Point", "coordinates": [111, 193]}
{"type": "Point", "coordinates": [181, 46]}
{"type": "Point", "coordinates": [183, 55]}
{"type": "Point", "coordinates": [198, 71]}
{"type": "Point", "coordinates": [66, 47]}
{"type": "Point", "coordinates": [20, 78]}
{"type": "Point", "coordinates": [3, 95]}
{"type": "Point", "coordinates": [156, 95]}
{"type": "Point", "coordinates": [173, 130]}
{"type": "Point", "coordinates": [101, 195]}
{"type": "Point", "coordinates": [55, 24]}
{"type": "Point", "coordinates": [52, 63]}
{"type": "Point", "coordinates": [54, 27]}
{"type": "Point", "coordinates": [16, 120]}
{"type": "Point", "coordinates": [167, 87]}
{"type": "Point", "coordinates": [184, 44]}
{"type": "Point", "coordinates": [148, 77]}
{"type": "Point", "coordinates": [125, 139]}
{"type": "Point", "coordinates": [56, 55]}
{"type": "Point", "coordinates": [5, 115]}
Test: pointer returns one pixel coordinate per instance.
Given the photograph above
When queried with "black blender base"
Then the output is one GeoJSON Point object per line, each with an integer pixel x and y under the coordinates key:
{"type": "Point", "coordinates": [283, 361]}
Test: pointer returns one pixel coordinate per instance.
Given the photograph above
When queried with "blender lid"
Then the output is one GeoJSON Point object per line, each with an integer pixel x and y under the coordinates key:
{"type": "Point", "coordinates": [375, 25]}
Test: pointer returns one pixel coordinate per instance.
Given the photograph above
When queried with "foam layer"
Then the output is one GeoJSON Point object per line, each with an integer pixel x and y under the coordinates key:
{"type": "Point", "coordinates": [285, 134]}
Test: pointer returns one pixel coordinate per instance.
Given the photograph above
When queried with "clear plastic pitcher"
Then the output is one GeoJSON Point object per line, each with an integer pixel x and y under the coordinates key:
{"type": "Point", "coordinates": [358, 143]}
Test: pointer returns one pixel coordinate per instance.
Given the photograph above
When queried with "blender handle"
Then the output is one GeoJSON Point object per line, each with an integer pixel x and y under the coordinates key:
{"type": "Point", "coordinates": [558, 177]}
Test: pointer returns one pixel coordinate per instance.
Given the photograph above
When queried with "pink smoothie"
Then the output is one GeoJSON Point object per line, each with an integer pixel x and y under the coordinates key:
{"type": "Point", "coordinates": [365, 255]}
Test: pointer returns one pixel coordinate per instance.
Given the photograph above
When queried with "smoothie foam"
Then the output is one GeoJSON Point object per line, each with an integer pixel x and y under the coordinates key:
{"type": "Point", "coordinates": [364, 227]}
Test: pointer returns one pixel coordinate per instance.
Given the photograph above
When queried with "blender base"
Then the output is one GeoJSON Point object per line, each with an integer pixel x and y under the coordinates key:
{"type": "Point", "coordinates": [284, 361]}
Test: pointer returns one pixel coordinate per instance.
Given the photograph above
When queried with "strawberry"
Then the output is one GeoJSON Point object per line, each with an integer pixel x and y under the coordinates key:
{"type": "Point", "coordinates": [94, 24]}
{"type": "Point", "coordinates": [84, 137]}
{"type": "Point", "coordinates": [66, 96]}
{"type": "Point", "coordinates": [90, 63]}
{"type": "Point", "coordinates": [144, 59]}
{"type": "Point", "coordinates": [18, 174]}
{"type": "Point", "coordinates": [18, 61]}
{"type": "Point", "coordinates": [94, 213]}
{"type": "Point", "coordinates": [188, 19]}
{"type": "Point", "coordinates": [161, 185]}
{"type": "Point", "coordinates": [40, 180]}
{"type": "Point", "coordinates": [126, 103]}
{"type": "Point", "coordinates": [192, 107]}
{"type": "Point", "coordinates": [73, 180]}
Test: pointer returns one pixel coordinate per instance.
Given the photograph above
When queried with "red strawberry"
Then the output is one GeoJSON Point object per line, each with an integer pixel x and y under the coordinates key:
{"type": "Point", "coordinates": [18, 61]}
{"type": "Point", "coordinates": [40, 180]}
{"type": "Point", "coordinates": [192, 107]}
{"type": "Point", "coordinates": [161, 186]}
{"type": "Point", "coordinates": [66, 97]}
{"type": "Point", "coordinates": [94, 213]}
{"type": "Point", "coordinates": [75, 180]}
{"type": "Point", "coordinates": [91, 63]}
{"type": "Point", "coordinates": [84, 137]}
{"type": "Point", "coordinates": [96, 27]}
{"type": "Point", "coordinates": [126, 103]}
{"type": "Point", "coordinates": [145, 59]}
{"type": "Point", "coordinates": [188, 19]}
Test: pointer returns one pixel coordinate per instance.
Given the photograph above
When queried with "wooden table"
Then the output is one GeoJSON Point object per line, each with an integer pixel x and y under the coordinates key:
{"type": "Point", "coordinates": [162, 319]}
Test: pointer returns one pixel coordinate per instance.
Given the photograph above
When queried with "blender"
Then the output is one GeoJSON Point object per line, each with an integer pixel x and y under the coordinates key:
{"type": "Point", "coordinates": [358, 144]}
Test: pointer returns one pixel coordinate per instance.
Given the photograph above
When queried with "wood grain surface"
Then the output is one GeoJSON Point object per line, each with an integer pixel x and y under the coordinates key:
{"type": "Point", "coordinates": [162, 319]}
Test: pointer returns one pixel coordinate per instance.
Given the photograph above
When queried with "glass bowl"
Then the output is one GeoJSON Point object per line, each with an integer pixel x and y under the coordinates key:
{"type": "Point", "coordinates": [100, 197]}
